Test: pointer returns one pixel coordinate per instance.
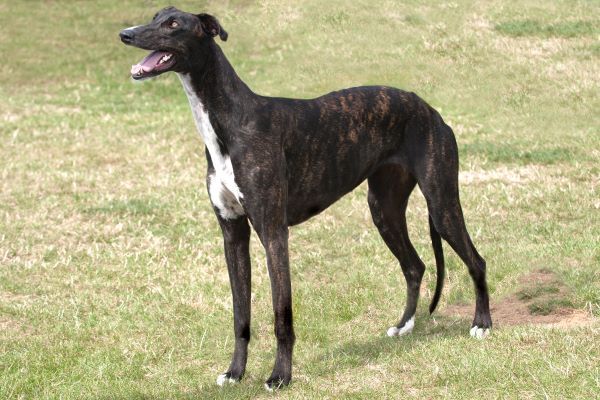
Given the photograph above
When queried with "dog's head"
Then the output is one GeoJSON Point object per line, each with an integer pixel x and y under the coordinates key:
{"type": "Point", "coordinates": [172, 36]}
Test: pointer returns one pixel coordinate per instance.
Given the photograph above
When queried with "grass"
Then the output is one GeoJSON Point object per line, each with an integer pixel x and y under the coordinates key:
{"type": "Point", "coordinates": [567, 29]}
{"type": "Point", "coordinates": [547, 307]}
{"type": "Point", "coordinates": [112, 277]}
{"type": "Point", "coordinates": [536, 291]}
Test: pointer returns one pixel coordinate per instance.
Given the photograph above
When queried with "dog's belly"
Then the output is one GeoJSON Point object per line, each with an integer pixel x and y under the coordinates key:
{"type": "Point", "coordinates": [301, 209]}
{"type": "Point", "coordinates": [340, 140]}
{"type": "Point", "coordinates": [312, 190]}
{"type": "Point", "coordinates": [324, 175]}
{"type": "Point", "coordinates": [319, 181]}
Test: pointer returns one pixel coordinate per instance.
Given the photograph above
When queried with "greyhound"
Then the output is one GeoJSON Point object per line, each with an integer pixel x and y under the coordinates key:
{"type": "Point", "coordinates": [276, 162]}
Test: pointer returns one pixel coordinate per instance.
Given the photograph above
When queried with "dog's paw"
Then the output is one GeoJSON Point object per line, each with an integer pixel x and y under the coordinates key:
{"type": "Point", "coordinates": [479, 333]}
{"type": "Point", "coordinates": [403, 330]}
{"type": "Point", "coordinates": [276, 383]}
{"type": "Point", "coordinates": [226, 379]}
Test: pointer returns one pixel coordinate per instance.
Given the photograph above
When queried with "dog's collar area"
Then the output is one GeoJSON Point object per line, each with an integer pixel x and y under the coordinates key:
{"type": "Point", "coordinates": [153, 64]}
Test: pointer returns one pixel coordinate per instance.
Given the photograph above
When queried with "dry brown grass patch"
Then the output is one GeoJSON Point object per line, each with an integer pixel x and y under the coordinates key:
{"type": "Point", "coordinates": [539, 300]}
{"type": "Point", "coordinates": [514, 175]}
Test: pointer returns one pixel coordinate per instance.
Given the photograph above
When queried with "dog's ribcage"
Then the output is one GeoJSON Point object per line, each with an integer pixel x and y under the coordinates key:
{"type": "Point", "coordinates": [224, 192]}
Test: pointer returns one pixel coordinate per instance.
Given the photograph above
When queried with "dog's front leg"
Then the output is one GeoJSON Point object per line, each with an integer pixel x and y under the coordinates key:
{"type": "Point", "coordinates": [236, 238]}
{"type": "Point", "coordinates": [275, 242]}
{"type": "Point", "coordinates": [266, 203]}
{"type": "Point", "coordinates": [276, 246]}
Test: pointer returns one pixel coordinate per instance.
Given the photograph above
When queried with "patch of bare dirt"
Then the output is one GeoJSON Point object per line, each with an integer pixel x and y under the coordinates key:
{"type": "Point", "coordinates": [540, 300]}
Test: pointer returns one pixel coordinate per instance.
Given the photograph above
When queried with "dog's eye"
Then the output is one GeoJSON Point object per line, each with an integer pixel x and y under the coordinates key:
{"type": "Point", "coordinates": [173, 24]}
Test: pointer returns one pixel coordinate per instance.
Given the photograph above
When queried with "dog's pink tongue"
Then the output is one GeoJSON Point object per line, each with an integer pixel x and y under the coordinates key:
{"type": "Point", "coordinates": [148, 63]}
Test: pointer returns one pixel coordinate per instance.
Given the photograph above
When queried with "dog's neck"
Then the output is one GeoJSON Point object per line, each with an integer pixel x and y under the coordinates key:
{"type": "Point", "coordinates": [215, 84]}
{"type": "Point", "coordinates": [219, 101]}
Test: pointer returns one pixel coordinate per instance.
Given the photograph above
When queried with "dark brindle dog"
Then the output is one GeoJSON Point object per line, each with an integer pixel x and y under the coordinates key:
{"type": "Point", "coordinates": [277, 162]}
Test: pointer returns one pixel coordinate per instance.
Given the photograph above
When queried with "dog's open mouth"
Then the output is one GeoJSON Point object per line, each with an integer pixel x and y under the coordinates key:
{"type": "Point", "coordinates": [153, 64]}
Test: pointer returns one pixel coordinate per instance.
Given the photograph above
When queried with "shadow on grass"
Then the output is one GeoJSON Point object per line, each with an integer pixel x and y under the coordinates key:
{"type": "Point", "coordinates": [347, 354]}
{"type": "Point", "coordinates": [246, 389]}
{"type": "Point", "coordinates": [358, 352]}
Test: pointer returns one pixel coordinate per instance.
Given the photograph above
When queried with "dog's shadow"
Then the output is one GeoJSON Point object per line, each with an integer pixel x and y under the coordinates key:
{"type": "Point", "coordinates": [347, 354]}
{"type": "Point", "coordinates": [356, 352]}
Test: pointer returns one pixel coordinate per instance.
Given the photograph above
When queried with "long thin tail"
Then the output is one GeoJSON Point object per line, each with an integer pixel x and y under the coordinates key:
{"type": "Point", "coordinates": [436, 242]}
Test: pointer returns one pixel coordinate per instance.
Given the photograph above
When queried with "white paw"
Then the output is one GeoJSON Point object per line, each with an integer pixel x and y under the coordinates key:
{"type": "Point", "coordinates": [479, 333]}
{"type": "Point", "coordinates": [406, 329]}
{"type": "Point", "coordinates": [268, 388]}
{"type": "Point", "coordinates": [223, 379]}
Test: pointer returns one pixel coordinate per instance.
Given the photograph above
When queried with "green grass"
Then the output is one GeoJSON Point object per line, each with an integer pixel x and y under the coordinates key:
{"type": "Point", "coordinates": [112, 277]}
{"type": "Point", "coordinates": [536, 291]}
{"type": "Point", "coordinates": [567, 29]}
{"type": "Point", "coordinates": [548, 306]}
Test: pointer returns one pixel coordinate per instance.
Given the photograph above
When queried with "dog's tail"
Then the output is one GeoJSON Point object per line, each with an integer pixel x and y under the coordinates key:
{"type": "Point", "coordinates": [436, 242]}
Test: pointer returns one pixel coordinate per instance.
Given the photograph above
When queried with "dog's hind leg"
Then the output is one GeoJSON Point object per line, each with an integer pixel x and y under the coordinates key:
{"type": "Point", "coordinates": [437, 175]}
{"type": "Point", "coordinates": [449, 222]}
{"type": "Point", "coordinates": [389, 189]}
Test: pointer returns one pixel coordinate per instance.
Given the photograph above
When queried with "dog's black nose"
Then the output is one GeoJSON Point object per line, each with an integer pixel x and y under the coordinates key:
{"type": "Point", "coordinates": [126, 36]}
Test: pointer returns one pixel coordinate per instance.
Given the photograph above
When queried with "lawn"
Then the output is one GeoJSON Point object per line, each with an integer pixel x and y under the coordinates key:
{"type": "Point", "coordinates": [112, 276]}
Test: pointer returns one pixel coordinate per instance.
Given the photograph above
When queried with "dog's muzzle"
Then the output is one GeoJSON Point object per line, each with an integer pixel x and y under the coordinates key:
{"type": "Point", "coordinates": [126, 36]}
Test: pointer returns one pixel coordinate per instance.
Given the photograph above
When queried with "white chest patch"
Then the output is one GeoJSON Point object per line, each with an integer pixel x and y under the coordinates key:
{"type": "Point", "coordinates": [224, 192]}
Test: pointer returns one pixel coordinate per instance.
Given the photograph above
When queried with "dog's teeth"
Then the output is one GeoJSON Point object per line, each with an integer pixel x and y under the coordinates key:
{"type": "Point", "coordinates": [164, 59]}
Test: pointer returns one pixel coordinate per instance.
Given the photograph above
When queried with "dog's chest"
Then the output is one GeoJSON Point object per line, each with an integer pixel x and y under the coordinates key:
{"type": "Point", "coordinates": [224, 192]}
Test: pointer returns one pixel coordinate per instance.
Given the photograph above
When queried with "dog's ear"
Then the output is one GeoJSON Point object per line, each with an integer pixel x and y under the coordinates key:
{"type": "Point", "coordinates": [211, 26]}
